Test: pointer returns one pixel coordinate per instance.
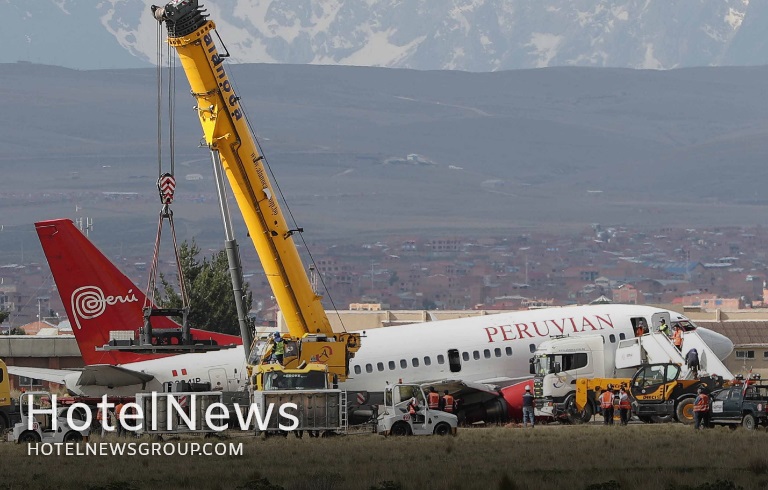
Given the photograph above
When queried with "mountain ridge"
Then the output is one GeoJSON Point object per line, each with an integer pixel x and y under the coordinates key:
{"type": "Point", "coordinates": [467, 35]}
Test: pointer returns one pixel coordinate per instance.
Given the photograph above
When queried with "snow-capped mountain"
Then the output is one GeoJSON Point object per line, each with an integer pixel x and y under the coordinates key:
{"type": "Point", "coordinates": [471, 35]}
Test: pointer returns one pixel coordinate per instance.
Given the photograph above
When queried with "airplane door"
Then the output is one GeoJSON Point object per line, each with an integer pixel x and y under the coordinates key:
{"type": "Point", "coordinates": [454, 360]}
{"type": "Point", "coordinates": [656, 320]}
{"type": "Point", "coordinates": [218, 379]}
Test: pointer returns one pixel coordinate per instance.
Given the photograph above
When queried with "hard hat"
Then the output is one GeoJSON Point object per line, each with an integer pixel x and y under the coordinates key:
{"type": "Point", "coordinates": [527, 388]}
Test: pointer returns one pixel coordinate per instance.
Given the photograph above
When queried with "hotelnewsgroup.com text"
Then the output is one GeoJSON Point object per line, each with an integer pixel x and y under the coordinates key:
{"type": "Point", "coordinates": [176, 448]}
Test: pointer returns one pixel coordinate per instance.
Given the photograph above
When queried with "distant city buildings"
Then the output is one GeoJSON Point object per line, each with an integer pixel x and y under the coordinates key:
{"type": "Point", "coordinates": [703, 268]}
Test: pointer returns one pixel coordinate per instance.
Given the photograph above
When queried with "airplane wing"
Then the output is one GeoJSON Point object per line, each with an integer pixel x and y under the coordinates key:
{"type": "Point", "coordinates": [111, 376]}
{"type": "Point", "coordinates": [50, 375]}
{"type": "Point", "coordinates": [469, 391]}
{"type": "Point", "coordinates": [95, 375]}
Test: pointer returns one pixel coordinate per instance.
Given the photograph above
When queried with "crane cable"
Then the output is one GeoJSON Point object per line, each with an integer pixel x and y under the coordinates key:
{"type": "Point", "coordinates": [285, 202]}
{"type": "Point", "coordinates": [166, 181]}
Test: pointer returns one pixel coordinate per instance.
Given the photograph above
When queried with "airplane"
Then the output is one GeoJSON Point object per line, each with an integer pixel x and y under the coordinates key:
{"type": "Point", "coordinates": [482, 360]}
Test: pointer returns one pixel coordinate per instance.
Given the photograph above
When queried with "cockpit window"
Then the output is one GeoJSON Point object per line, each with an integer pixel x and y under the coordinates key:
{"type": "Point", "coordinates": [686, 325]}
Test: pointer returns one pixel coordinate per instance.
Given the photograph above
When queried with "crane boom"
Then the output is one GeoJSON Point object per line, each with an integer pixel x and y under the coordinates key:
{"type": "Point", "coordinates": [226, 132]}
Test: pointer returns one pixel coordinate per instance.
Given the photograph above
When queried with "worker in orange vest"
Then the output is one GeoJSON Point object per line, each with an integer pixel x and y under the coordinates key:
{"type": "Point", "coordinates": [677, 337]}
{"type": "Point", "coordinates": [701, 410]}
{"type": "Point", "coordinates": [101, 422]}
{"type": "Point", "coordinates": [624, 406]}
{"type": "Point", "coordinates": [413, 409]}
{"type": "Point", "coordinates": [118, 419]}
{"type": "Point", "coordinates": [433, 399]}
{"type": "Point", "coordinates": [606, 404]}
{"type": "Point", "coordinates": [447, 402]}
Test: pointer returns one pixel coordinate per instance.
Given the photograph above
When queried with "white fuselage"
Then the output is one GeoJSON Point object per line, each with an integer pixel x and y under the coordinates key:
{"type": "Point", "coordinates": [494, 349]}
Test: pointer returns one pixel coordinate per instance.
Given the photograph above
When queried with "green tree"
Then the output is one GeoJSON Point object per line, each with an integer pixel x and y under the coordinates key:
{"type": "Point", "coordinates": [4, 315]}
{"type": "Point", "coordinates": [209, 285]}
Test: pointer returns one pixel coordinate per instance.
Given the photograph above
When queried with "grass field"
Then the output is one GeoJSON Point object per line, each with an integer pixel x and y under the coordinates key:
{"type": "Point", "coordinates": [669, 456]}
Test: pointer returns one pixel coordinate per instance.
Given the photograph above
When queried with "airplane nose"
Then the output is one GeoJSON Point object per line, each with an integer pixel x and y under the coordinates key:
{"type": "Point", "coordinates": [721, 345]}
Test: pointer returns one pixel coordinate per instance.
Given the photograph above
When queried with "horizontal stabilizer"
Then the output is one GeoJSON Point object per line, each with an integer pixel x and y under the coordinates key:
{"type": "Point", "coordinates": [111, 376]}
{"type": "Point", "coordinates": [45, 374]}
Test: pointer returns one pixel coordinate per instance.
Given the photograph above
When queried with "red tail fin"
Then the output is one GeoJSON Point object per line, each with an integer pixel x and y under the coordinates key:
{"type": "Point", "coordinates": [97, 296]}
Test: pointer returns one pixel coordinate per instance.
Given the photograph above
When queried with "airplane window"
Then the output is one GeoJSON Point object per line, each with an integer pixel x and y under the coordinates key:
{"type": "Point", "coordinates": [427, 361]}
{"type": "Point", "coordinates": [380, 366]}
{"type": "Point", "coordinates": [508, 350]}
{"type": "Point", "coordinates": [415, 362]}
{"type": "Point", "coordinates": [476, 355]}
{"type": "Point", "coordinates": [497, 352]}
{"type": "Point", "coordinates": [358, 370]}
{"type": "Point", "coordinates": [622, 336]}
{"type": "Point", "coordinates": [532, 347]}
{"type": "Point", "coordinates": [368, 368]}
{"type": "Point", "coordinates": [465, 356]}
{"type": "Point", "coordinates": [403, 364]}
{"type": "Point", "coordinates": [487, 353]}
{"type": "Point", "coordinates": [440, 359]}
{"type": "Point", "coordinates": [391, 365]}
{"type": "Point", "coordinates": [612, 338]}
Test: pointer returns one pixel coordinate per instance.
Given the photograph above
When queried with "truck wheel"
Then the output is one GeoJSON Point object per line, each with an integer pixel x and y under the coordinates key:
{"type": "Point", "coordinates": [749, 422]}
{"type": "Point", "coordinates": [574, 415]}
{"type": "Point", "coordinates": [684, 411]}
{"type": "Point", "coordinates": [73, 436]}
{"type": "Point", "coordinates": [29, 437]}
{"type": "Point", "coordinates": [400, 429]}
{"type": "Point", "coordinates": [442, 429]}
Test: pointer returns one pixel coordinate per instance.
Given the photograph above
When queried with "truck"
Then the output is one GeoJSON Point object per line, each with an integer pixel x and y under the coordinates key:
{"type": "Point", "coordinates": [744, 404]}
{"type": "Point", "coordinates": [560, 362]}
{"type": "Point", "coordinates": [656, 392]}
{"type": "Point", "coordinates": [394, 418]}
{"type": "Point", "coordinates": [190, 408]}
{"type": "Point", "coordinates": [235, 152]}
{"type": "Point", "coordinates": [9, 409]}
{"type": "Point", "coordinates": [40, 427]}
{"type": "Point", "coordinates": [321, 409]}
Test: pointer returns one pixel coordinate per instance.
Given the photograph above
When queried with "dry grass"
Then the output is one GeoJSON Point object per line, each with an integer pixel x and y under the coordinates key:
{"type": "Point", "coordinates": [669, 456]}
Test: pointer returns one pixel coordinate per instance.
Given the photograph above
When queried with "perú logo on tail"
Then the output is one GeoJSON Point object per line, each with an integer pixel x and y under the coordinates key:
{"type": "Point", "coordinates": [89, 302]}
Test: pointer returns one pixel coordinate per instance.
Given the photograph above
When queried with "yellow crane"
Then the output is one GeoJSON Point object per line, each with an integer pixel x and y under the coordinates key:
{"type": "Point", "coordinates": [234, 149]}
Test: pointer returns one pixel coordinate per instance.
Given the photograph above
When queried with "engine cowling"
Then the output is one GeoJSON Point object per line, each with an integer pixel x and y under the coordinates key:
{"type": "Point", "coordinates": [513, 395]}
